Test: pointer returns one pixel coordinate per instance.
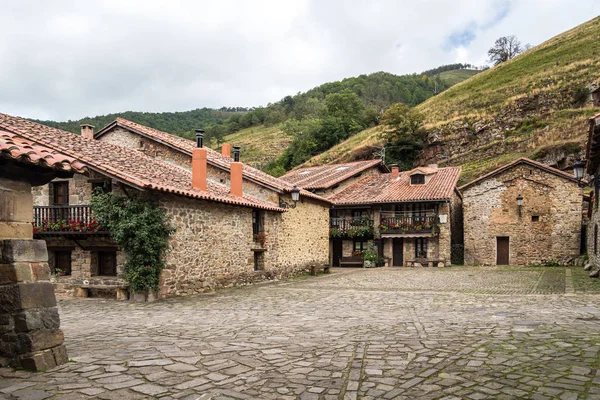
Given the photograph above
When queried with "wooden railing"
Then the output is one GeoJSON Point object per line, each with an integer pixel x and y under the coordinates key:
{"type": "Point", "coordinates": [351, 227]}
{"type": "Point", "coordinates": [408, 222]}
{"type": "Point", "coordinates": [68, 219]}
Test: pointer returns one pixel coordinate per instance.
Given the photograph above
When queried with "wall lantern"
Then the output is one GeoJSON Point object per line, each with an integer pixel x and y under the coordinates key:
{"type": "Point", "coordinates": [295, 197]}
{"type": "Point", "coordinates": [578, 169]}
{"type": "Point", "coordinates": [520, 203]}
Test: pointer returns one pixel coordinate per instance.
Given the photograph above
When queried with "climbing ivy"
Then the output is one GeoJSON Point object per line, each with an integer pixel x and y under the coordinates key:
{"type": "Point", "coordinates": [141, 229]}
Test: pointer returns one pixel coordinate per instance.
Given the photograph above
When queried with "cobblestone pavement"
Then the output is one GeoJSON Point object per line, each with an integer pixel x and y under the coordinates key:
{"type": "Point", "coordinates": [360, 334]}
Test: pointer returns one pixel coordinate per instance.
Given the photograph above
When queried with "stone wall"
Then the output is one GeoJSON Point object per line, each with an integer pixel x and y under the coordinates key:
{"type": "Point", "coordinates": [490, 211]}
{"type": "Point", "coordinates": [303, 236]}
{"type": "Point", "coordinates": [593, 240]}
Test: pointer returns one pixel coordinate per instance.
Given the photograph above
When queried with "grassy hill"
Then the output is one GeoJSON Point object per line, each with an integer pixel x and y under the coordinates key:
{"type": "Point", "coordinates": [529, 106]}
{"type": "Point", "coordinates": [457, 76]}
{"type": "Point", "coordinates": [259, 144]}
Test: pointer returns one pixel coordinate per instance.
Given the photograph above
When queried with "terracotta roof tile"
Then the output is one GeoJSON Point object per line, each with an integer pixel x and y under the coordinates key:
{"type": "Point", "coordinates": [124, 164]}
{"type": "Point", "coordinates": [214, 157]}
{"type": "Point", "coordinates": [522, 160]}
{"type": "Point", "coordinates": [20, 149]}
{"type": "Point", "coordinates": [384, 189]}
{"type": "Point", "coordinates": [326, 176]}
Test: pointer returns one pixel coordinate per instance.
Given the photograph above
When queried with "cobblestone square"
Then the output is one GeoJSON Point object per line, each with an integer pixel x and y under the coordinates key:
{"type": "Point", "coordinates": [452, 333]}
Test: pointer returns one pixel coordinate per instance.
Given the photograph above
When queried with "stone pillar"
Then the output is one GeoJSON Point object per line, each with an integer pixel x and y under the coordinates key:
{"type": "Point", "coordinates": [30, 335]}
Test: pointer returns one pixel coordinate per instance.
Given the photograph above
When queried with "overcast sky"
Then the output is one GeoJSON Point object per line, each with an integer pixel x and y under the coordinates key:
{"type": "Point", "coordinates": [70, 59]}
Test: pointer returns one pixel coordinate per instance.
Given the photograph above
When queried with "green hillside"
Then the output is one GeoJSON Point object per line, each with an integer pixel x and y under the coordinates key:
{"type": "Point", "coordinates": [535, 105]}
{"type": "Point", "coordinates": [457, 76]}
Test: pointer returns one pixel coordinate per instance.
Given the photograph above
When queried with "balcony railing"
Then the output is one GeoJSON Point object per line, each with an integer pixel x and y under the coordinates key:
{"type": "Point", "coordinates": [61, 220]}
{"type": "Point", "coordinates": [357, 227]}
{"type": "Point", "coordinates": [408, 222]}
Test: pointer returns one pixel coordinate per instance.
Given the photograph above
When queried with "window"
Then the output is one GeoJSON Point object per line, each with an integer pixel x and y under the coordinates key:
{"type": "Point", "coordinates": [257, 222]}
{"type": "Point", "coordinates": [535, 218]}
{"type": "Point", "coordinates": [107, 263]}
{"type": "Point", "coordinates": [360, 246]}
{"type": "Point", "coordinates": [421, 248]}
{"type": "Point", "coordinates": [417, 179]}
{"type": "Point", "coordinates": [62, 262]}
{"type": "Point", "coordinates": [60, 193]}
{"type": "Point", "coordinates": [104, 186]}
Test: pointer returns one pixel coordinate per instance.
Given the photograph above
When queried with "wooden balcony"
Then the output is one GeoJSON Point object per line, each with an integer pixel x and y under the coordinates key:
{"type": "Point", "coordinates": [65, 220]}
{"type": "Point", "coordinates": [350, 228]}
{"type": "Point", "coordinates": [408, 223]}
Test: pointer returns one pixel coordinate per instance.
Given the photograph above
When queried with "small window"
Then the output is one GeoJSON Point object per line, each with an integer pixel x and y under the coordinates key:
{"type": "Point", "coordinates": [535, 218]}
{"type": "Point", "coordinates": [257, 222]}
{"type": "Point", "coordinates": [62, 263]}
{"type": "Point", "coordinates": [107, 263]}
{"type": "Point", "coordinates": [60, 193]}
{"type": "Point", "coordinates": [421, 248]}
{"type": "Point", "coordinates": [360, 246]}
{"type": "Point", "coordinates": [417, 179]}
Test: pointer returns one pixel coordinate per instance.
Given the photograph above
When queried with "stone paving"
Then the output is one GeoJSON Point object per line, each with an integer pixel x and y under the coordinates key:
{"type": "Point", "coordinates": [453, 333]}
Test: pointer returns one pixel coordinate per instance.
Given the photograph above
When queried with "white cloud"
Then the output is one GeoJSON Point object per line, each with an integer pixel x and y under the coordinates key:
{"type": "Point", "coordinates": [65, 59]}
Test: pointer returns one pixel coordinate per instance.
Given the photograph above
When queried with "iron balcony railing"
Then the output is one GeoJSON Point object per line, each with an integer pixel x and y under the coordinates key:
{"type": "Point", "coordinates": [65, 219]}
{"type": "Point", "coordinates": [351, 227]}
{"type": "Point", "coordinates": [408, 222]}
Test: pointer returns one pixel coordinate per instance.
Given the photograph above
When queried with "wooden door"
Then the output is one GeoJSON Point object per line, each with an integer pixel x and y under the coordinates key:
{"type": "Point", "coordinates": [502, 250]}
{"type": "Point", "coordinates": [107, 263]}
{"type": "Point", "coordinates": [337, 252]}
{"type": "Point", "coordinates": [398, 252]}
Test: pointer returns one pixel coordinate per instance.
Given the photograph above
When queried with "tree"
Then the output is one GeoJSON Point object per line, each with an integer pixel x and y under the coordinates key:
{"type": "Point", "coordinates": [405, 136]}
{"type": "Point", "coordinates": [505, 48]}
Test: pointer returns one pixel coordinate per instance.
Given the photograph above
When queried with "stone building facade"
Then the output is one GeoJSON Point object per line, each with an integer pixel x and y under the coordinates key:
{"type": "Point", "coordinates": [593, 170]}
{"type": "Point", "coordinates": [545, 228]}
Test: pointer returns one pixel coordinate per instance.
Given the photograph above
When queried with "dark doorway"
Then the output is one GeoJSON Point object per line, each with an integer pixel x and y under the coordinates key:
{"type": "Point", "coordinates": [502, 250]}
{"type": "Point", "coordinates": [107, 263]}
{"type": "Point", "coordinates": [398, 252]}
{"type": "Point", "coordinates": [337, 252]}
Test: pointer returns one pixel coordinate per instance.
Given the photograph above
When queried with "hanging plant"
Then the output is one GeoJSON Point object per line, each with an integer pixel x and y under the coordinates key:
{"type": "Point", "coordinates": [141, 229]}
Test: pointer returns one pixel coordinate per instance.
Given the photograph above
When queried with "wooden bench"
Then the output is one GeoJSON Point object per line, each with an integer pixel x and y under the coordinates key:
{"type": "Point", "coordinates": [315, 268]}
{"type": "Point", "coordinates": [353, 261]}
{"type": "Point", "coordinates": [427, 262]}
{"type": "Point", "coordinates": [84, 290]}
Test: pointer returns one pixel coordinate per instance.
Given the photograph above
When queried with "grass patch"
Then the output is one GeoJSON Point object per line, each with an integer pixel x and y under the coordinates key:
{"type": "Point", "coordinates": [583, 283]}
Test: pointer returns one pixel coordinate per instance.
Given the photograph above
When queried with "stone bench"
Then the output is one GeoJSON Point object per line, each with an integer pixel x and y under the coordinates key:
{"type": "Point", "coordinates": [353, 261]}
{"type": "Point", "coordinates": [315, 268]}
{"type": "Point", "coordinates": [122, 293]}
{"type": "Point", "coordinates": [426, 262]}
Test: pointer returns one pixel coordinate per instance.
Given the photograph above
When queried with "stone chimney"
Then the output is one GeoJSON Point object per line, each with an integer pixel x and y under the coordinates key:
{"type": "Point", "coordinates": [87, 131]}
{"type": "Point", "coordinates": [236, 174]}
{"type": "Point", "coordinates": [395, 171]}
{"type": "Point", "coordinates": [226, 149]}
{"type": "Point", "coordinates": [199, 161]}
{"type": "Point", "coordinates": [434, 166]}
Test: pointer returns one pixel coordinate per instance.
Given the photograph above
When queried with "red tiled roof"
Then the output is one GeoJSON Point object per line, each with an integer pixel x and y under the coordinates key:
{"type": "Point", "coordinates": [326, 176]}
{"type": "Point", "coordinates": [26, 151]}
{"type": "Point", "coordinates": [214, 157]}
{"type": "Point", "coordinates": [384, 189]}
{"type": "Point", "coordinates": [523, 160]}
{"type": "Point", "coordinates": [124, 164]}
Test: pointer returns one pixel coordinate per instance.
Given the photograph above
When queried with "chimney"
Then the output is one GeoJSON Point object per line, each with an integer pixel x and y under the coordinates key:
{"type": "Point", "coordinates": [226, 149]}
{"type": "Point", "coordinates": [87, 131]}
{"type": "Point", "coordinates": [395, 171]}
{"type": "Point", "coordinates": [199, 157]}
{"type": "Point", "coordinates": [433, 166]}
{"type": "Point", "coordinates": [236, 174]}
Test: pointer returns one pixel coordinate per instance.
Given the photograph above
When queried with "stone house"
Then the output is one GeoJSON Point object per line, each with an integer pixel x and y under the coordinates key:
{"type": "Point", "coordinates": [30, 334]}
{"type": "Point", "coordinates": [522, 213]}
{"type": "Point", "coordinates": [214, 243]}
{"type": "Point", "coordinates": [405, 217]}
{"type": "Point", "coordinates": [593, 169]}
